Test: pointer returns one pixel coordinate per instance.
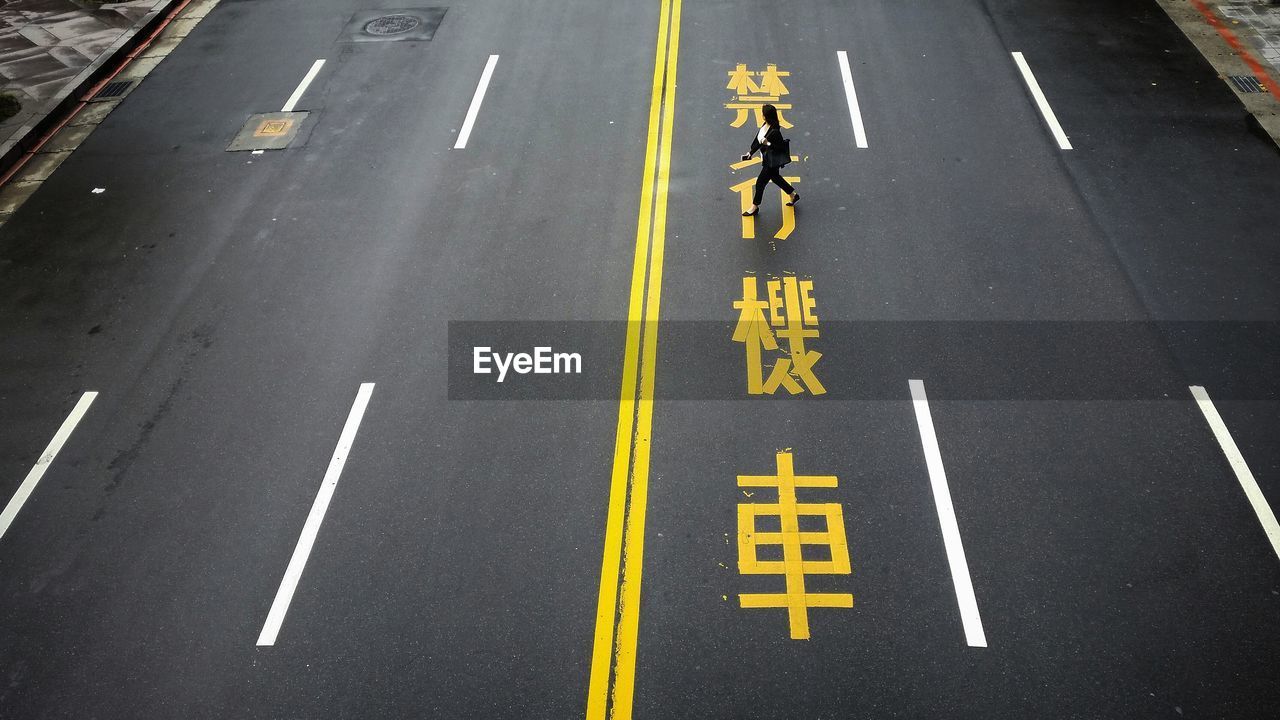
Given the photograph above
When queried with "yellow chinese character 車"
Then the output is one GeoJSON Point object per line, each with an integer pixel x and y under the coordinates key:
{"type": "Point", "coordinates": [793, 566]}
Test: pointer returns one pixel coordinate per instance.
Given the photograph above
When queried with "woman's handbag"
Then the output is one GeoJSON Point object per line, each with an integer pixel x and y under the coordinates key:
{"type": "Point", "coordinates": [779, 154]}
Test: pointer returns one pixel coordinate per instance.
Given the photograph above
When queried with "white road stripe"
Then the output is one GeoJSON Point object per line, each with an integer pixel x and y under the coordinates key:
{"type": "Point", "coordinates": [1045, 110]}
{"type": "Point", "coordinates": [855, 115]}
{"type": "Point", "coordinates": [302, 86]}
{"type": "Point", "coordinates": [28, 485]}
{"type": "Point", "coordinates": [947, 519]}
{"type": "Point", "coordinates": [275, 618]}
{"type": "Point", "coordinates": [474, 110]}
{"type": "Point", "coordinates": [1251, 489]}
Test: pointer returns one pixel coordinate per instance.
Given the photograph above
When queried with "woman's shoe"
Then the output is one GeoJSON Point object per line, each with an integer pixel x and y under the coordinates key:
{"type": "Point", "coordinates": [795, 198]}
{"type": "Point", "coordinates": [749, 213]}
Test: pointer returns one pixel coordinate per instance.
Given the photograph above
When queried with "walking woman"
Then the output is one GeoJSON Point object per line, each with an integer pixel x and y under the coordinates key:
{"type": "Point", "coordinates": [774, 153]}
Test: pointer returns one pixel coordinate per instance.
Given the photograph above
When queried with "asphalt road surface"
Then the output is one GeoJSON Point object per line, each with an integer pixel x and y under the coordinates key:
{"type": "Point", "coordinates": [984, 427]}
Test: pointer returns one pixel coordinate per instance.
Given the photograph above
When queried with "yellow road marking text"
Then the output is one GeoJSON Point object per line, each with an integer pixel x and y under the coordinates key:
{"type": "Point", "coordinates": [793, 309]}
{"type": "Point", "coordinates": [751, 96]}
{"type": "Point", "coordinates": [793, 567]}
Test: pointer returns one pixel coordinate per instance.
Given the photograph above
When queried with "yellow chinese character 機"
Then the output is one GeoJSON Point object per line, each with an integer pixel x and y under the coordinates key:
{"type": "Point", "coordinates": [793, 567]}
{"type": "Point", "coordinates": [751, 95]}
{"type": "Point", "coordinates": [753, 330]}
{"type": "Point", "coordinates": [791, 308]}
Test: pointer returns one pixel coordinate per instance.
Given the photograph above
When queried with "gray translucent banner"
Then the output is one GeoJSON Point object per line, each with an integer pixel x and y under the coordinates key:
{"type": "Point", "coordinates": [874, 360]}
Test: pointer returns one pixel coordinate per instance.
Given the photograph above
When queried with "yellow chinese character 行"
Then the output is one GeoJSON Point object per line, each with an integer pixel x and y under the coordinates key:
{"type": "Point", "coordinates": [746, 191]}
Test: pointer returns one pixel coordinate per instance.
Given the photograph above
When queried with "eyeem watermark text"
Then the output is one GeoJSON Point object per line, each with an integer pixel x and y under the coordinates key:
{"type": "Point", "coordinates": [542, 362]}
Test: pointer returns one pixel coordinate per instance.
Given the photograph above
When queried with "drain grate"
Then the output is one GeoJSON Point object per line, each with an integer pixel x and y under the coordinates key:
{"type": "Point", "coordinates": [1246, 83]}
{"type": "Point", "coordinates": [392, 25]}
{"type": "Point", "coordinates": [114, 89]}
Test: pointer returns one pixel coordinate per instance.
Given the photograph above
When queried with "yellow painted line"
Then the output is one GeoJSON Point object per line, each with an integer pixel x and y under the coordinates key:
{"type": "Point", "coordinates": [613, 656]}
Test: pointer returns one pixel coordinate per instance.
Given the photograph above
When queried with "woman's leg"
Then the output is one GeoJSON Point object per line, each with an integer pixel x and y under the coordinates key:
{"type": "Point", "coordinates": [766, 174]}
{"type": "Point", "coordinates": [777, 178]}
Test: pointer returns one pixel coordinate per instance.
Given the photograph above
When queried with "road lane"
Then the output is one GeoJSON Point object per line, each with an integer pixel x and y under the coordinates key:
{"type": "Point", "coordinates": [1126, 558]}
{"type": "Point", "coordinates": [234, 342]}
{"type": "Point", "coordinates": [965, 211]}
{"type": "Point", "coordinates": [1179, 184]}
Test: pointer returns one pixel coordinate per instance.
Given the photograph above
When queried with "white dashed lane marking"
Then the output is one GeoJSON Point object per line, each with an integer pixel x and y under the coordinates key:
{"type": "Point", "coordinates": [28, 485]}
{"type": "Point", "coordinates": [1050, 119]}
{"type": "Point", "coordinates": [855, 112]}
{"type": "Point", "coordinates": [1243, 474]}
{"type": "Point", "coordinates": [973, 631]}
{"type": "Point", "coordinates": [465, 134]}
{"type": "Point", "coordinates": [275, 618]}
{"type": "Point", "coordinates": [296, 97]}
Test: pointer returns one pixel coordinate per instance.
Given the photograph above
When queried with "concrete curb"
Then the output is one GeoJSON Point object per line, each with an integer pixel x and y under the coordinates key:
{"type": "Point", "coordinates": [27, 136]}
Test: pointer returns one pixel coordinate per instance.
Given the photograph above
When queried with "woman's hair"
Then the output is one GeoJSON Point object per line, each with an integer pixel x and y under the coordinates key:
{"type": "Point", "coordinates": [770, 114]}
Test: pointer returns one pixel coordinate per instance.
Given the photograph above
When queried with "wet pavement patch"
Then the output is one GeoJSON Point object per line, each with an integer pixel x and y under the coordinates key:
{"type": "Point", "coordinates": [391, 25]}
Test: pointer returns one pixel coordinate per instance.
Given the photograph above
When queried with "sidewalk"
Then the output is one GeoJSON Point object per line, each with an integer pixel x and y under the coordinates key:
{"type": "Point", "coordinates": [1258, 22]}
{"type": "Point", "coordinates": [50, 49]}
{"type": "Point", "coordinates": [1241, 40]}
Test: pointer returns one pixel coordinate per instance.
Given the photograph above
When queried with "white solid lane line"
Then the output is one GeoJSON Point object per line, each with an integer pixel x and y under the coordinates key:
{"type": "Point", "coordinates": [1045, 110]}
{"type": "Point", "coordinates": [28, 485]}
{"type": "Point", "coordinates": [302, 86]}
{"type": "Point", "coordinates": [275, 618]}
{"type": "Point", "coordinates": [947, 519]}
{"type": "Point", "coordinates": [474, 110]}
{"type": "Point", "coordinates": [1243, 474]}
{"type": "Point", "coordinates": [855, 114]}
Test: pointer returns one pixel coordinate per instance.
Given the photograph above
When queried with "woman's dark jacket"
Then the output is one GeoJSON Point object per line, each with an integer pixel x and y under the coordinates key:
{"type": "Point", "coordinates": [776, 154]}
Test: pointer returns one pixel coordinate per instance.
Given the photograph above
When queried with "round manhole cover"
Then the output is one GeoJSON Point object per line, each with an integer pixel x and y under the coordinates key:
{"type": "Point", "coordinates": [392, 25]}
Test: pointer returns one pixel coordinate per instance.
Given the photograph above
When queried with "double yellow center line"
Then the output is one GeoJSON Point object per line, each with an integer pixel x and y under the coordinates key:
{"type": "Point", "coordinates": [613, 658]}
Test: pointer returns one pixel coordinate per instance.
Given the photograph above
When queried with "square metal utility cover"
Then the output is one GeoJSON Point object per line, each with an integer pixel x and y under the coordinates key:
{"type": "Point", "coordinates": [390, 25]}
{"type": "Point", "coordinates": [268, 131]}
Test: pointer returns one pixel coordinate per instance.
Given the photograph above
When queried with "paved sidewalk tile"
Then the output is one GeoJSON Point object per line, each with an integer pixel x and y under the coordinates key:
{"type": "Point", "coordinates": [45, 44]}
{"type": "Point", "coordinates": [1259, 24]}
